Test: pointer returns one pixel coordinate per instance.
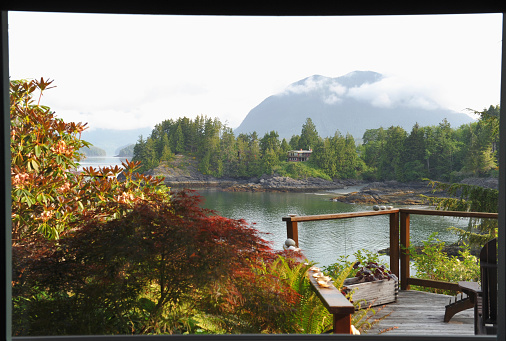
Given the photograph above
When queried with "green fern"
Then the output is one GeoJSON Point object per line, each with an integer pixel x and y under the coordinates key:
{"type": "Point", "coordinates": [310, 315]}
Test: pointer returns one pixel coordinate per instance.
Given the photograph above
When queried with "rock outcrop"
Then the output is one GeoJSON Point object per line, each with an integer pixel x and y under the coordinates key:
{"type": "Point", "coordinates": [183, 172]}
{"type": "Point", "coordinates": [390, 192]}
{"type": "Point", "coordinates": [286, 184]}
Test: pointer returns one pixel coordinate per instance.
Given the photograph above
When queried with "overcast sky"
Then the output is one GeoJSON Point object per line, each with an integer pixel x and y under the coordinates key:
{"type": "Point", "coordinates": [132, 71]}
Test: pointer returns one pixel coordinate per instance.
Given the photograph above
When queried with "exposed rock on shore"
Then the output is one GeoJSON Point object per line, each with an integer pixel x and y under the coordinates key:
{"type": "Point", "coordinates": [390, 192]}
{"type": "Point", "coordinates": [183, 172]}
{"type": "Point", "coordinates": [482, 182]}
{"type": "Point", "coordinates": [286, 184]}
{"type": "Point", "coordinates": [394, 192]}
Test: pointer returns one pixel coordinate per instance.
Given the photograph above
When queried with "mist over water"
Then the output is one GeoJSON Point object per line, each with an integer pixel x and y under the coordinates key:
{"type": "Point", "coordinates": [322, 241]}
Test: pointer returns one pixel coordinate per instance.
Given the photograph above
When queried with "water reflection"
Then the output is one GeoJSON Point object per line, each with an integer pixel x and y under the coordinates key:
{"type": "Point", "coordinates": [326, 240]}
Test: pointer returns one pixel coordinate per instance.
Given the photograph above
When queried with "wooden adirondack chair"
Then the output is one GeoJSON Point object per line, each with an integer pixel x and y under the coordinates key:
{"type": "Point", "coordinates": [484, 297]}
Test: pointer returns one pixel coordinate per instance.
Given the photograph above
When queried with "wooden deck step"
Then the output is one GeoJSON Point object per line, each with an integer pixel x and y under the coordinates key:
{"type": "Point", "coordinates": [422, 313]}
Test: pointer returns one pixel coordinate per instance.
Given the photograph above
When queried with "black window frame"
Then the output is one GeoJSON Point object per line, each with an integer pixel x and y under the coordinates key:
{"type": "Point", "coordinates": [272, 8]}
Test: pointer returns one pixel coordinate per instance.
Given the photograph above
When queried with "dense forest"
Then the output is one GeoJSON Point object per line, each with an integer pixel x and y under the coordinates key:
{"type": "Point", "coordinates": [437, 152]}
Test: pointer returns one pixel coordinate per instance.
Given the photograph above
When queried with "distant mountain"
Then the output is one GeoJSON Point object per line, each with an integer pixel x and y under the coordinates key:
{"type": "Point", "coordinates": [112, 139]}
{"type": "Point", "coordinates": [351, 103]}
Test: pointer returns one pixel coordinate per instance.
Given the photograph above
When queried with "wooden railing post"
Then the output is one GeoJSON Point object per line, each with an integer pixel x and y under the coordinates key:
{"type": "Point", "coordinates": [342, 324]}
{"type": "Point", "coordinates": [336, 303]}
{"type": "Point", "coordinates": [292, 231]}
{"type": "Point", "coordinates": [404, 217]}
{"type": "Point", "coordinates": [394, 243]}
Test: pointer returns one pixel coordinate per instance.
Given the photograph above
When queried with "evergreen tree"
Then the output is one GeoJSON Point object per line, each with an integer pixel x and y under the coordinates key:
{"type": "Point", "coordinates": [350, 157]}
{"type": "Point", "coordinates": [309, 136]}
{"type": "Point", "coordinates": [323, 157]}
{"type": "Point", "coordinates": [480, 158]}
{"type": "Point", "coordinates": [229, 151]}
{"type": "Point", "coordinates": [445, 149]}
{"type": "Point", "coordinates": [372, 147]}
{"type": "Point", "coordinates": [294, 142]}
{"type": "Point", "coordinates": [179, 144]}
{"type": "Point", "coordinates": [391, 160]}
{"type": "Point", "coordinates": [269, 161]}
{"type": "Point", "coordinates": [270, 141]}
{"type": "Point", "coordinates": [167, 154]}
{"type": "Point", "coordinates": [414, 152]}
{"type": "Point", "coordinates": [283, 150]}
{"type": "Point", "coordinates": [253, 156]}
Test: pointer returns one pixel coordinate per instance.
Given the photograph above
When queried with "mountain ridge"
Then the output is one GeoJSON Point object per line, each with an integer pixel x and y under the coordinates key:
{"type": "Point", "coordinates": [351, 103]}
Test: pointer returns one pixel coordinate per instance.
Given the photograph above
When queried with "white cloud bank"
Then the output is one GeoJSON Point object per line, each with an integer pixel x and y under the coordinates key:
{"type": "Point", "coordinates": [131, 71]}
{"type": "Point", "coordinates": [389, 92]}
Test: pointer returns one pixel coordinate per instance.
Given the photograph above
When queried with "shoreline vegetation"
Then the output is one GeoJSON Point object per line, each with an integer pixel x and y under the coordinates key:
{"type": "Point", "coordinates": [182, 173]}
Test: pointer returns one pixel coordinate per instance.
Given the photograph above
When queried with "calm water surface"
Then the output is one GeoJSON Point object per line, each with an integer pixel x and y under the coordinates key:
{"type": "Point", "coordinates": [322, 241]}
{"type": "Point", "coordinates": [101, 161]}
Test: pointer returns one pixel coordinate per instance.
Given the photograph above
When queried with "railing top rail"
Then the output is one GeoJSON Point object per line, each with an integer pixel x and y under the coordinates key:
{"type": "Point", "coordinates": [339, 215]}
{"type": "Point", "coordinates": [395, 210]}
{"type": "Point", "coordinates": [450, 213]}
{"type": "Point", "coordinates": [332, 298]}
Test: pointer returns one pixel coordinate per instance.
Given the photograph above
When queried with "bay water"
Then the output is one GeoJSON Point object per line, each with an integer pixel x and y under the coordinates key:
{"type": "Point", "coordinates": [101, 161]}
{"type": "Point", "coordinates": [323, 241]}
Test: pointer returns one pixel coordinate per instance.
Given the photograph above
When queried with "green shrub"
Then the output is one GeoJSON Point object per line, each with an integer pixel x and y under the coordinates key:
{"type": "Point", "coordinates": [299, 170]}
{"type": "Point", "coordinates": [435, 264]}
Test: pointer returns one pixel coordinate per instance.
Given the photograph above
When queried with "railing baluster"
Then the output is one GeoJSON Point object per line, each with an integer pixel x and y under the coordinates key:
{"type": "Point", "coordinates": [404, 216]}
{"type": "Point", "coordinates": [394, 243]}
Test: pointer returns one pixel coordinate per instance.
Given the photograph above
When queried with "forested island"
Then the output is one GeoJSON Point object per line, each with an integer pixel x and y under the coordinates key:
{"type": "Point", "coordinates": [93, 151]}
{"type": "Point", "coordinates": [439, 152]}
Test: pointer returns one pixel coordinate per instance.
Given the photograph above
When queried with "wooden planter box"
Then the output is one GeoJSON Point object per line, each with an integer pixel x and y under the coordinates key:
{"type": "Point", "coordinates": [374, 293]}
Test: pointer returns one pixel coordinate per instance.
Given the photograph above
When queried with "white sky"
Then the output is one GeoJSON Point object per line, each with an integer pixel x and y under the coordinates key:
{"type": "Point", "coordinates": [132, 71]}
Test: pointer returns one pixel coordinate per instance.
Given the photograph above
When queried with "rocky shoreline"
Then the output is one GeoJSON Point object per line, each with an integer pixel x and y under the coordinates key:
{"type": "Point", "coordinates": [390, 193]}
{"type": "Point", "coordinates": [182, 173]}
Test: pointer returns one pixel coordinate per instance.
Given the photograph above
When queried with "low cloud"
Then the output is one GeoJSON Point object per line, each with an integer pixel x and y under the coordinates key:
{"type": "Point", "coordinates": [393, 92]}
{"type": "Point", "coordinates": [310, 84]}
{"type": "Point", "coordinates": [332, 99]}
{"type": "Point", "coordinates": [389, 92]}
{"type": "Point", "coordinates": [109, 118]}
{"type": "Point", "coordinates": [332, 91]}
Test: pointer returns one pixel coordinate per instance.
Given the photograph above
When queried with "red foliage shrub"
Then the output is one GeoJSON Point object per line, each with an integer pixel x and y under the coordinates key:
{"type": "Point", "coordinates": [176, 249]}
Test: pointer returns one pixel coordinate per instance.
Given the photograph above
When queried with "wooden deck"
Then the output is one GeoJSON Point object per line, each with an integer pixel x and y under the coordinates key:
{"type": "Point", "coordinates": [422, 313]}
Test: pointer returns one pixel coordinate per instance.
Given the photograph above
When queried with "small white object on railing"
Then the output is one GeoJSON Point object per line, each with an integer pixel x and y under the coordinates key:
{"type": "Point", "coordinates": [290, 245]}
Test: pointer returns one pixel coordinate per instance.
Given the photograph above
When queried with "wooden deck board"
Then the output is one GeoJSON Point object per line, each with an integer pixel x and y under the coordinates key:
{"type": "Point", "coordinates": [422, 313]}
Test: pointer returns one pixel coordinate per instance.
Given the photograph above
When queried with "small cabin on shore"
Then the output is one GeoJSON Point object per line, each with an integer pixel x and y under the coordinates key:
{"type": "Point", "coordinates": [299, 155]}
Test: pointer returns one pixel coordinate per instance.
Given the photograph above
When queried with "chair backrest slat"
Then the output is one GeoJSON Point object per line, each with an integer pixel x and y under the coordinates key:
{"type": "Point", "coordinates": [488, 265]}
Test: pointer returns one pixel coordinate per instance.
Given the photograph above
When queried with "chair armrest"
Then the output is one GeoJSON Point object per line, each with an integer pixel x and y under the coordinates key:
{"type": "Point", "coordinates": [470, 287]}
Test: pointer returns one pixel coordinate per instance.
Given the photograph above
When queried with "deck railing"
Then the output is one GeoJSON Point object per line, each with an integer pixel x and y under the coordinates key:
{"type": "Point", "coordinates": [399, 238]}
